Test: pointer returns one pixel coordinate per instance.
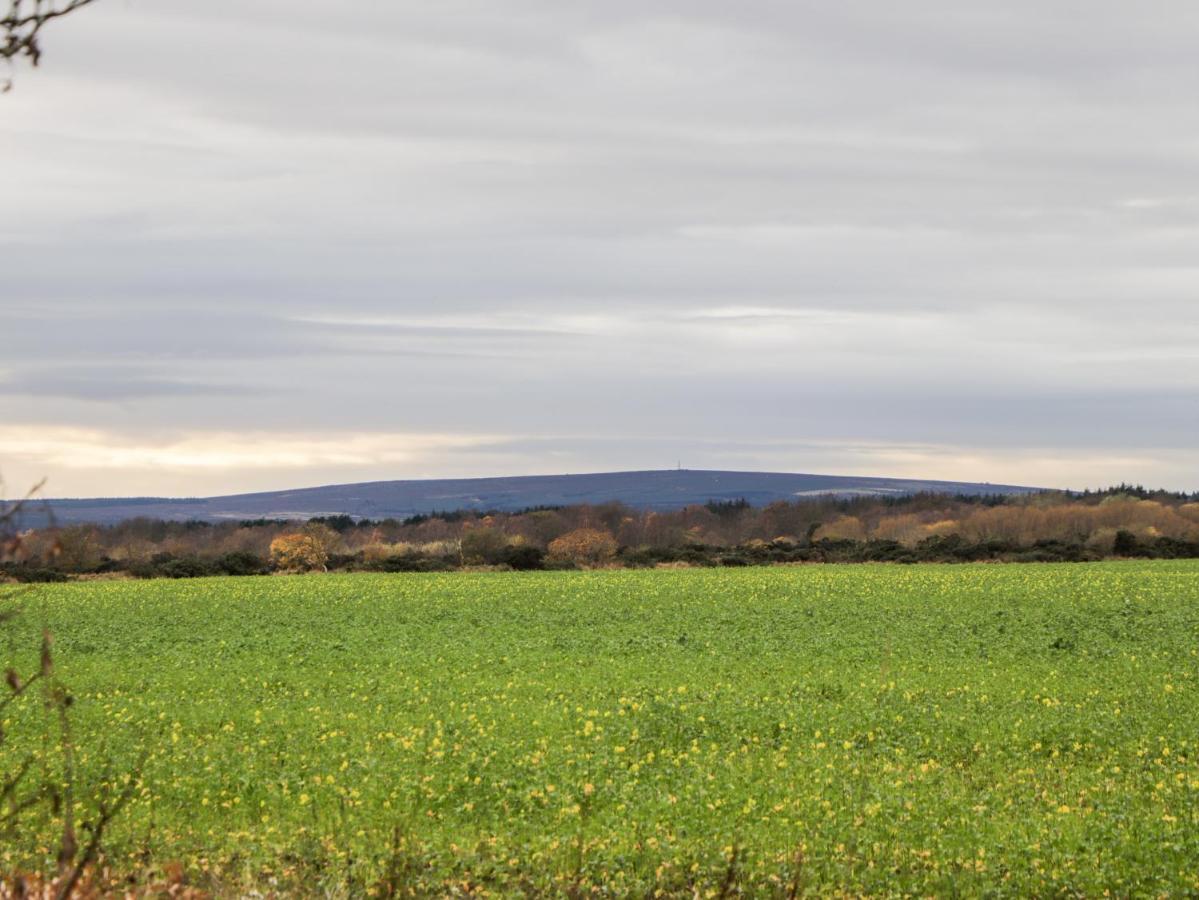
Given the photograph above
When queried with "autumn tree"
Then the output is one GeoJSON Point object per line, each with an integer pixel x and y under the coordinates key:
{"type": "Point", "coordinates": [907, 528]}
{"type": "Point", "coordinates": [329, 541]}
{"type": "Point", "coordinates": [583, 546]}
{"type": "Point", "coordinates": [842, 528]}
{"type": "Point", "coordinates": [298, 552]}
{"type": "Point", "coordinates": [541, 526]}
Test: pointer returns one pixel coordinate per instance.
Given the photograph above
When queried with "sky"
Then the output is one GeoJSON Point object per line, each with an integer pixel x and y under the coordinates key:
{"type": "Point", "coordinates": [260, 246]}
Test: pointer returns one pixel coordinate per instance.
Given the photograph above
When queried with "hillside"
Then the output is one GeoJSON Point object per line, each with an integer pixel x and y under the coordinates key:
{"type": "Point", "coordinates": [667, 489]}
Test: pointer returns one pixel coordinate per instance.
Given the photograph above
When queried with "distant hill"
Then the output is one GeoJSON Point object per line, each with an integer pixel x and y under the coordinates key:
{"type": "Point", "coordinates": [668, 489]}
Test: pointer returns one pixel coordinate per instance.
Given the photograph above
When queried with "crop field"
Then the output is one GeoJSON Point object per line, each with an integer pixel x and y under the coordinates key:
{"type": "Point", "coordinates": [1012, 730]}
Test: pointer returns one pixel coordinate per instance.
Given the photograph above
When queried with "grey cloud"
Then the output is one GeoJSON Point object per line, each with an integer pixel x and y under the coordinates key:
{"type": "Point", "coordinates": [99, 386]}
{"type": "Point", "coordinates": [967, 224]}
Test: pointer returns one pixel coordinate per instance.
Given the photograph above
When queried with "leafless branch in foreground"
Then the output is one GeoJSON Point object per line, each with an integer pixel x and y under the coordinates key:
{"type": "Point", "coordinates": [20, 29]}
{"type": "Point", "coordinates": [20, 790]}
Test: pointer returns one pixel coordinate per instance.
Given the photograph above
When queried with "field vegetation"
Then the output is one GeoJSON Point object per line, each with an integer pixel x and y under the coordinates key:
{"type": "Point", "coordinates": [1009, 730]}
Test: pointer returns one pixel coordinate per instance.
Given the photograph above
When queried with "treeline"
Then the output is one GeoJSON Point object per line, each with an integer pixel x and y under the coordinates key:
{"type": "Point", "coordinates": [1119, 522]}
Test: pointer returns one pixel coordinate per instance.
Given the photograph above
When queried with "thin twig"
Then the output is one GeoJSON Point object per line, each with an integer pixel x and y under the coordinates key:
{"type": "Point", "coordinates": [18, 691]}
{"type": "Point", "coordinates": [105, 816]}
{"type": "Point", "coordinates": [20, 31]}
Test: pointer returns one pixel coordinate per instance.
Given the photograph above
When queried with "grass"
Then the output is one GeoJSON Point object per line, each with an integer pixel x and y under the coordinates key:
{"type": "Point", "coordinates": [1013, 730]}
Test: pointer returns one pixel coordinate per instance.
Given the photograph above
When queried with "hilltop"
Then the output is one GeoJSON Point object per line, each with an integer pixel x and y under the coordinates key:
{"type": "Point", "coordinates": [661, 490]}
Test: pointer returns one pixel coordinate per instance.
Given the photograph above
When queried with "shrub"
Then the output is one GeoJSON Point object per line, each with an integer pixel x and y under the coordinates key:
{"type": "Point", "coordinates": [242, 562]}
{"type": "Point", "coordinates": [1125, 544]}
{"type": "Point", "coordinates": [154, 567]}
{"type": "Point", "coordinates": [26, 574]}
{"type": "Point", "coordinates": [583, 546]}
{"type": "Point", "coordinates": [884, 551]}
{"type": "Point", "coordinates": [483, 545]}
{"type": "Point", "coordinates": [346, 562]}
{"type": "Point", "coordinates": [187, 567]}
{"type": "Point", "coordinates": [643, 557]}
{"type": "Point", "coordinates": [523, 557]}
{"type": "Point", "coordinates": [1172, 548]}
{"type": "Point", "coordinates": [413, 563]}
{"type": "Point", "coordinates": [377, 551]}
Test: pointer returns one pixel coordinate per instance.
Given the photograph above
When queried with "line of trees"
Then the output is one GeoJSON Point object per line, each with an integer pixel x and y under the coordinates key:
{"type": "Point", "coordinates": [1120, 522]}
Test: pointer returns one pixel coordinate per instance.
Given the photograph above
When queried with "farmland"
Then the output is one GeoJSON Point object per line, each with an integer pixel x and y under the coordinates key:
{"type": "Point", "coordinates": [1015, 729]}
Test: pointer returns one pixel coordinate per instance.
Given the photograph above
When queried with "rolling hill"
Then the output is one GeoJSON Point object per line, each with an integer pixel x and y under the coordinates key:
{"type": "Point", "coordinates": [666, 489]}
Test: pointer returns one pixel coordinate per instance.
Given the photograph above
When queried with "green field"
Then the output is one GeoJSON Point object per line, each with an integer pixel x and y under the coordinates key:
{"type": "Point", "coordinates": [1012, 730]}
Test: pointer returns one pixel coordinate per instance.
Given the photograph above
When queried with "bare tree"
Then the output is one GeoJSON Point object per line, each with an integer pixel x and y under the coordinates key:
{"type": "Point", "coordinates": [20, 29]}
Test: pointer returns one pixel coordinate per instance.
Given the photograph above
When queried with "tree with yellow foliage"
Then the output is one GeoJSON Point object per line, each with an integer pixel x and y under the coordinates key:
{"type": "Point", "coordinates": [298, 552]}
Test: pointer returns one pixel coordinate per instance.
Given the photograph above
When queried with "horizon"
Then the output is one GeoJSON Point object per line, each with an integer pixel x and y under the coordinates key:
{"type": "Point", "coordinates": [927, 240]}
{"type": "Point", "coordinates": [310, 487]}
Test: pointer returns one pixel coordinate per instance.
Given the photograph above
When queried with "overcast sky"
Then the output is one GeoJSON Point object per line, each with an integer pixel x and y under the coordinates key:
{"type": "Point", "coordinates": [275, 244]}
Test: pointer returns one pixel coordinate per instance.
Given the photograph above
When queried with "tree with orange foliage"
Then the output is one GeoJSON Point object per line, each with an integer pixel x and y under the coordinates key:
{"type": "Point", "coordinates": [298, 552]}
{"type": "Point", "coordinates": [583, 546]}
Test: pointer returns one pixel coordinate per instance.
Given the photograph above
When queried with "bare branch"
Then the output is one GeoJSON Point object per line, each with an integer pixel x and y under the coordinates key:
{"type": "Point", "coordinates": [18, 691]}
{"type": "Point", "coordinates": [109, 809]}
{"type": "Point", "coordinates": [20, 29]}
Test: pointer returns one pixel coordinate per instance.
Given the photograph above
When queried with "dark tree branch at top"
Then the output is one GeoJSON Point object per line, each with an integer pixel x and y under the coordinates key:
{"type": "Point", "coordinates": [20, 29]}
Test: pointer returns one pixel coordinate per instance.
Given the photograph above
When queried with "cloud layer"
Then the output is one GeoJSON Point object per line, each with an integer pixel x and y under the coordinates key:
{"type": "Point", "coordinates": [933, 239]}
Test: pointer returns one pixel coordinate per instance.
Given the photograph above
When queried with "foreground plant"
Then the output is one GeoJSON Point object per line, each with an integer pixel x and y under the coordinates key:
{"type": "Point", "coordinates": [26, 786]}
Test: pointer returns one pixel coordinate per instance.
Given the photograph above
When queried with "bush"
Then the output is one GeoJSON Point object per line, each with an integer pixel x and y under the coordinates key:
{"type": "Point", "coordinates": [523, 557]}
{"type": "Point", "coordinates": [188, 567]}
{"type": "Point", "coordinates": [342, 562]}
{"type": "Point", "coordinates": [483, 545]}
{"type": "Point", "coordinates": [583, 546]}
{"type": "Point", "coordinates": [152, 567]}
{"type": "Point", "coordinates": [412, 563]}
{"type": "Point", "coordinates": [1173, 548]}
{"type": "Point", "coordinates": [1126, 544]}
{"type": "Point", "coordinates": [885, 551]}
{"type": "Point", "coordinates": [242, 562]}
{"type": "Point", "coordinates": [1060, 551]}
{"type": "Point", "coordinates": [26, 574]}
{"type": "Point", "coordinates": [648, 557]}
